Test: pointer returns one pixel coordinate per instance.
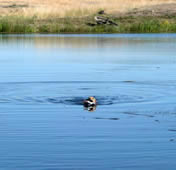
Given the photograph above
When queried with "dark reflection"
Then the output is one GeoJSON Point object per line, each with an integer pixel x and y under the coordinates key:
{"type": "Point", "coordinates": [111, 118]}
{"type": "Point", "coordinates": [84, 41]}
{"type": "Point", "coordinates": [129, 81]}
{"type": "Point", "coordinates": [157, 121]}
{"type": "Point", "coordinates": [172, 130]}
{"type": "Point", "coordinates": [90, 108]}
{"type": "Point", "coordinates": [76, 48]}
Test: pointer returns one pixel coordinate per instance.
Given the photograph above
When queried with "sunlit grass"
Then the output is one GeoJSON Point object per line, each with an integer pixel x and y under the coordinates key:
{"type": "Point", "coordinates": [70, 8]}
{"type": "Point", "coordinates": [70, 25]}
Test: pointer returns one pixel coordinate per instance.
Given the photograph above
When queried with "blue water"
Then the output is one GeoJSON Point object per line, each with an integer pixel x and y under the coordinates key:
{"type": "Point", "coordinates": [43, 80]}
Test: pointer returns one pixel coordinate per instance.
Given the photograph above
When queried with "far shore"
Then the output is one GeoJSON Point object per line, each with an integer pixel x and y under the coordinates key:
{"type": "Point", "coordinates": [159, 18]}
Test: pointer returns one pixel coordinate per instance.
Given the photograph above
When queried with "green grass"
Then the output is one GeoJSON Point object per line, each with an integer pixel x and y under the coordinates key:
{"type": "Point", "coordinates": [150, 25]}
{"type": "Point", "coordinates": [73, 25]}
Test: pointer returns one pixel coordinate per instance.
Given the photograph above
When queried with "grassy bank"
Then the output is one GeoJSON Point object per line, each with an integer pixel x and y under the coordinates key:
{"type": "Point", "coordinates": [72, 16]}
{"type": "Point", "coordinates": [79, 25]}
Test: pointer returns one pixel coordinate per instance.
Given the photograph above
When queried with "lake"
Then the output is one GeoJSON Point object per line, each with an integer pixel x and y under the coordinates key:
{"type": "Point", "coordinates": [45, 78]}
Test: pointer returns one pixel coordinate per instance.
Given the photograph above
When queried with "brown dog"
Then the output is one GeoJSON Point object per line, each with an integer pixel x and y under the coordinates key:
{"type": "Point", "coordinates": [91, 101]}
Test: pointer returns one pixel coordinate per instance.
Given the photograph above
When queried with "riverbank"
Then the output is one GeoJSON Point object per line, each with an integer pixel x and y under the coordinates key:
{"type": "Point", "coordinates": [75, 25]}
{"type": "Point", "coordinates": [151, 19]}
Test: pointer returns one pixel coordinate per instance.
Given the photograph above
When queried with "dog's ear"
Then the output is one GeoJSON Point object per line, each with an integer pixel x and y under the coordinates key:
{"type": "Point", "coordinates": [91, 98]}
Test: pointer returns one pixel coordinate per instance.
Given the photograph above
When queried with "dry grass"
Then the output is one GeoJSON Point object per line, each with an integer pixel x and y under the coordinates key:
{"type": "Point", "coordinates": [70, 8]}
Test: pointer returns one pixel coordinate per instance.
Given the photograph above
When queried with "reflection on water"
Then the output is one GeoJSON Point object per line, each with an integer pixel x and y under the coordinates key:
{"type": "Point", "coordinates": [90, 108]}
{"type": "Point", "coordinates": [93, 48]}
{"type": "Point", "coordinates": [44, 80]}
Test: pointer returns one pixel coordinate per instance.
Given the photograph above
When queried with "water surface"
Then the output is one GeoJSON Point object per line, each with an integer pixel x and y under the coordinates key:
{"type": "Point", "coordinates": [44, 79]}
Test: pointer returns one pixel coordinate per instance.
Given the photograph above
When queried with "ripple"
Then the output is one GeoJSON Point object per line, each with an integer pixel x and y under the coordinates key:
{"type": "Point", "coordinates": [107, 93]}
{"type": "Point", "coordinates": [106, 100]}
{"type": "Point", "coordinates": [139, 114]}
{"type": "Point", "coordinates": [172, 130]}
{"type": "Point", "coordinates": [111, 118]}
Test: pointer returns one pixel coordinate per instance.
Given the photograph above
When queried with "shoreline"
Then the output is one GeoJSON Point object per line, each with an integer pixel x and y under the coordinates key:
{"type": "Point", "coordinates": [23, 25]}
{"type": "Point", "coordinates": [152, 19]}
{"type": "Point", "coordinates": [24, 18]}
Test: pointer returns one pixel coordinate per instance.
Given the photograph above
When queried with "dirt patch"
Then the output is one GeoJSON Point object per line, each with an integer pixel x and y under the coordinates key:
{"type": "Point", "coordinates": [82, 8]}
{"type": "Point", "coordinates": [15, 6]}
{"type": "Point", "coordinates": [161, 10]}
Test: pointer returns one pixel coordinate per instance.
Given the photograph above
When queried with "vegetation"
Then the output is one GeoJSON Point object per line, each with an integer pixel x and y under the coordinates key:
{"type": "Point", "coordinates": [71, 25]}
{"type": "Point", "coordinates": [71, 8]}
{"type": "Point", "coordinates": [73, 16]}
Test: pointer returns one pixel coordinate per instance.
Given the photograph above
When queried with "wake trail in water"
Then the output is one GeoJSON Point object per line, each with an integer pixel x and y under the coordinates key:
{"type": "Point", "coordinates": [106, 100]}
